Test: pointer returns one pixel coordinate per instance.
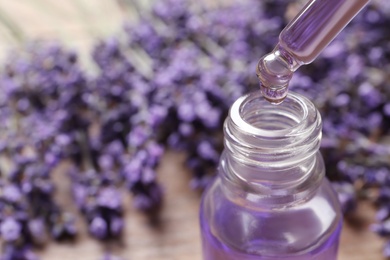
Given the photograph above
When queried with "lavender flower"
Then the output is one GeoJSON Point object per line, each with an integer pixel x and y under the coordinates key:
{"type": "Point", "coordinates": [115, 126]}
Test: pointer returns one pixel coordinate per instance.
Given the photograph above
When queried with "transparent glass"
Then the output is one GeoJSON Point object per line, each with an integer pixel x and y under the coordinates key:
{"type": "Point", "coordinates": [271, 199]}
{"type": "Point", "coordinates": [303, 39]}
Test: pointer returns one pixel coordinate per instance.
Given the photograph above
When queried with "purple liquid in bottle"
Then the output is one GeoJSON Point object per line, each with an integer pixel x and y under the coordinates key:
{"type": "Point", "coordinates": [271, 200]}
{"type": "Point", "coordinates": [215, 249]}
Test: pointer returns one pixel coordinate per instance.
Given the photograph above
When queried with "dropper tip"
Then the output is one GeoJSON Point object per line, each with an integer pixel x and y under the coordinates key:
{"type": "Point", "coordinates": [274, 95]}
{"type": "Point", "coordinates": [274, 75]}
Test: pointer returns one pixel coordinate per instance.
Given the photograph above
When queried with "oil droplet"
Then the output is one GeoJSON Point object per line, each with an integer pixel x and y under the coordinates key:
{"type": "Point", "coordinates": [273, 71]}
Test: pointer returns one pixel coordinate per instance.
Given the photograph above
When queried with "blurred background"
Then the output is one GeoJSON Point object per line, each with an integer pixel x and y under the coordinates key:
{"type": "Point", "coordinates": [112, 118]}
{"type": "Point", "coordinates": [78, 24]}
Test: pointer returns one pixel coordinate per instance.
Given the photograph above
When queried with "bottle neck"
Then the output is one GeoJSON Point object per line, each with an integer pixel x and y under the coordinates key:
{"type": "Point", "coordinates": [272, 151]}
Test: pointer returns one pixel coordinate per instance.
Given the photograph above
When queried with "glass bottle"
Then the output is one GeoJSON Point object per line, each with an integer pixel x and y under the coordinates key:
{"type": "Point", "coordinates": [271, 199]}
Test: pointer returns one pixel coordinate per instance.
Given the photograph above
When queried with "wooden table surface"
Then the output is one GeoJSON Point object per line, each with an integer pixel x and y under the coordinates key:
{"type": "Point", "coordinates": [176, 235]}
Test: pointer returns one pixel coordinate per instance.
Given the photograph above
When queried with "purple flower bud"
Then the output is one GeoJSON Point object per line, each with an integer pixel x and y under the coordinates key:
{"type": "Point", "coordinates": [23, 104]}
{"type": "Point", "coordinates": [132, 170]}
{"type": "Point", "coordinates": [186, 112]}
{"type": "Point", "coordinates": [374, 120]}
{"type": "Point", "coordinates": [98, 227]}
{"type": "Point", "coordinates": [80, 194]}
{"type": "Point", "coordinates": [355, 66]}
{"type": "Point", "coordinates": [382, 214]}
{"type": "Point", "coordinates": [116, 226]}
{"type": "Point", "coordinates": [114, 148]}
{"type": "Point", "coordinates": [137, 136]}
{"type": "Point", "coordinates": [51, 159]}
{"type": "Point", "coordinates": [174, 140]}
{"type": "Point", "coordinates": [206, 151]}
{"type": "Point", "coordinates": [142, 202]}
{"type": "Point", "coordinates": [29, 255]}
{"type": "Point", "coordinates": [36, 228]}
{"type": "Point", "coordinates": [386, 109]}
{"type": "Point", "coordinates": [341, 100]}
{"type": "Point", "coordinates": [386, 250]}
{"type": "Point", "coordinates": [382, 229]}
{"type": "Point", "coordinates": [149, 199]}
{"type": "Point", "coordinates": [384, 195]}
{"type": "Point", "coordinates": [186, 129]}
{"type": "Point", "coordinates": [63, 140]}
{"type": "Point", "coordinates": [157, 115]}
{"type": "Point", "coordinates": [10, 229]}
{"type": "Point", "coordinates": [164, 79]}
{"type": "Point", "coordinates": [334, 50]}
{"type": "Point", "coordinates": [11, 252]}
{"type": "Point", "coordinates": [106, 162]}
{"type": "Point", "coordinates": [116, 90]}
{"type": "Point", "coordinates": [12, 193]}
{"type": "Point", "coordinates": [109, 197]}
{"type": "Point", "coordinates": [148, 175]}
{"type": "Point", "coordinates": [370, 95]}
{"type": "Point", "coordinates": [155, 150]}
{"type": "Point", "coordinates": [45, 186]}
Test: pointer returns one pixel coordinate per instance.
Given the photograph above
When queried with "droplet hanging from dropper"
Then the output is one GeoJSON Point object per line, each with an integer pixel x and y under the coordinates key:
{"type": "Point", "coordinates": [274, 73]}
{"type": "Point", "coordinates": [302, 41]}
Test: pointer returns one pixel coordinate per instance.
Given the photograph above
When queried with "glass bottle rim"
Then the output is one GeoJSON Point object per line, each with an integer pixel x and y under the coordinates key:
{"type": "Point", "coordinates": [238, 116]}
{"type": "Point", "coordinates": [271, 151]}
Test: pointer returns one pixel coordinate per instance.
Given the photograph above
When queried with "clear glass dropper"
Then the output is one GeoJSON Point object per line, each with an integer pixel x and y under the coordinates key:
{"type": "Point", "coordinates": [303, 39]}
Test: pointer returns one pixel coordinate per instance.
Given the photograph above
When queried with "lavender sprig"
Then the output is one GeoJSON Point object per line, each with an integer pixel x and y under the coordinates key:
{"type": "Point", "coordinates": [116, 125]}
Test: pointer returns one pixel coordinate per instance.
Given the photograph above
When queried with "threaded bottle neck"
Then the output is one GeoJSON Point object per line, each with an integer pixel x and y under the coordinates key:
{"type": "Point", "coordinates": [273, 148]}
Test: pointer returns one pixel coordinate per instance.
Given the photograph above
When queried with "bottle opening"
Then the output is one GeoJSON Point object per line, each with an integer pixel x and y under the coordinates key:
{"type": "Point", "coordinates": [259, 113]}
{"type": "Point", "coordinates": [267, 133]}
{"type": "Point", "coordinates": [253, 115]}
{"type": "Point", "coordinates": [273, 149]}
